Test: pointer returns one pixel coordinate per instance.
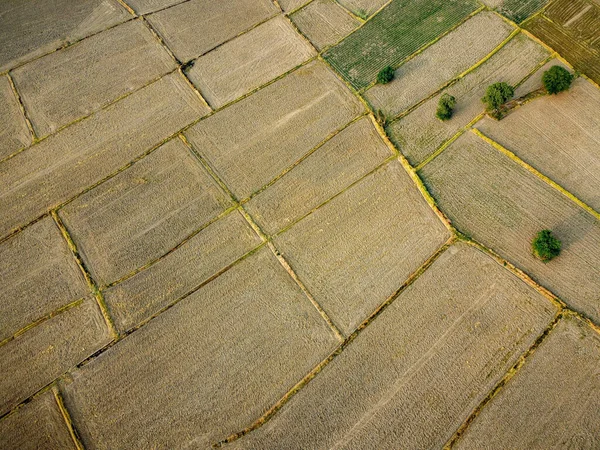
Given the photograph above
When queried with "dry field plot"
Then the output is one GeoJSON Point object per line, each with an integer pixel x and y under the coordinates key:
{"type": "Point", "coordinates": [143, 212]}
{"type": "Point", "coordinates": [342, 160]}
{"type": "Point", "coordinates": [64, 86]}
{"type": "Point", "coordinates": [324, 22]}
{"type": "Point", "coordinates": [572, 28]}
{"type": "Point", "coordinates": [443, 61]}
{"type": "Point", "coordinates": [357, 250]}
{"type": "Point", "coordinates": [395, 33]}
{"type": "Point", "coordinates": [55, 23]}
{"type": "Point", "coordinates": [254, 140]}
{"type": "Point", "coordinates": [446, 340]}
{"type": "Point", "coordinates": [14, 133]}
{"type": "Point", "coordinates": [516, 10]}
{"type": "Point", "coordinates": [420, 133]}
{"type": "Point", "coordinates": [149, 6]}
{"type": "Point", "coordinates": [553, 402]}
{"type": "Point", "coordinates": [206, 367]}
{"type": "Point", "coordinates": [62, 166]}
{"type": "Point", "coordinates": [249, 61]}
{"type": "Point", "coordinates": [197, 26]}
{"type": "Point", "coordinates": [559, 136]}
{"type": "Point", "coordinates": [500, 204]}
{"type": "Point", "coordinates": [291, 5]}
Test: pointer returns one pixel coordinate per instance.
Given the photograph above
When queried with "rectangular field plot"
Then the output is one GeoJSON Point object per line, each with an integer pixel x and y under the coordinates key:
{"type": "Point", "coordinates": [420, 133]}
{"type": "Point", "coordinates": [358, 249]}
{"type": "Point", "coordinates": [143, 212]}
{"type": "Point", "coordinates": [338, 163]}
{"type": "Point", "coordinates": [14, 133]}
{"type": "Point", "coordinates": [252, 141]}
{"type": "Point", "coordinates": [197, 26]}
{"type": "Point", "coordinates": [399, 30]}
{"type": "Point", "coordinates": [249, 61]}
{"type": "Point", "coordinates": [574, 32]}
{"type": "Point", "coordinates": [559, 135]}
{"type": "Point", "coordinates": [446, 59]}
{"type": "Point", "coordinates": [56, 91]}
{"type": "Point", "coordinates": [502, 205]}
{"type": "Point", "coordinates": [250, 332]}
{"type": "Point", "coordinates": [415, 373]}
{"type": "Point", "coordinates": [516, 10]}
{"type": "Point", "coordinates": [552, 402]}
{"type": "Point", "coordinates": [324, 22]}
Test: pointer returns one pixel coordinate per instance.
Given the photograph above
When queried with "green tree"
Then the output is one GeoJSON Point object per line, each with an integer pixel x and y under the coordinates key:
{"type": "Point", "coordinates": [497, 94]}
{"type": "Point", "coordinates": [545, 246]}
{"type": "Point", "coordinates": [557, 79]}
{"type": "Point", "coordinates": [445, 107]}
{"type": "Point", "coordinates": [385, 75]}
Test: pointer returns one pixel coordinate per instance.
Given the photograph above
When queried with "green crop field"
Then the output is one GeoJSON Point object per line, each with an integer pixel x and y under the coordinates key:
{"type": "Point", "coordinates": [395, 33]}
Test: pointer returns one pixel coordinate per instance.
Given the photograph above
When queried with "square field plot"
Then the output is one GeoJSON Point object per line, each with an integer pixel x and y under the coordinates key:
{"type": "Point", "coordinates": [415, 373]}
{"type": "Point", "coordinates": [422, 75]}
{"type": "Point", "coordinates": [14, 133]}
{"type": "Point", "coordinates": [552, 402]}
{"type": "Point", "coordinates": [249, 61]}
{"type": "Point", "coordinates": [395, 33]}
{"type": "Point", "coordinates": [39, 276]}
{"type": "Point", "coordinates": [31, 28]}
{"type": "Point", "coordinates": [143, 212]}
{"type": "Point", "coordinates": [420, 133]}
{"type": "Point", "coordinates": [559, 135]}
{"type": "Point", "coordinates": [71, 83]}
{"type": "Point", "coordinates": [203, 256]}
{"type": "Point", "coordinates": [207, 367]}
{"type": "Point", "coordinates": [500, 204]}
{"type": "Point", "coordinates": [357, 250]}
{"type": "Point", "coordinates": [197, 26]}
{"type": "Point", "coordinates": [58, 168]}
{"type": "Point", "coordinates": [342, 160]}
{"type": "Point", "coordinates": [324, 22]}
{"type": "Point", "coordinates": [252, 141]}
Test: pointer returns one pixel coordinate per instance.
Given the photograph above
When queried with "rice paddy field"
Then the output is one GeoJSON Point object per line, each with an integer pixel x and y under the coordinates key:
{"type": "Point", "coordinates": [221, 228]}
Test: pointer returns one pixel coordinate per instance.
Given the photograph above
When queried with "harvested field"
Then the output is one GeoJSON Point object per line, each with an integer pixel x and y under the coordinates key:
{"type": "Point", "coordinates": [554, 400]}
{"type": "Point", "coordinates": [148, 6]}
{"type": "Point", "coordinates": [342, 160]}
{"type": "Point", "coordinates": [62, 166]}
{"type": "Point", "coordinates": [500, 204]}
{"type": "Point", "coordinates": [14, 133]}
{"type": "Point", "coordinates": [516, 10]}
{"type": "Point", "coordinates": [446, 59]}
{"type": "Point", "coordinates": [39, 276]}
{"type": "Point", "coordinates": [358, 249]}
{"type": "Point", "coordinates": [291, 5]}
{"type": "Point", "coordinates": [324, 22]}
{"type": "Point", "coordinates": [534, 82]}
{"type": "Point", "coordinates": [211, 250]}
{"type": "Point", "coordinates": [56, 91]}
{"type": "Point", "coordinates": [37, 357]}
{"type": "Point", "coordinates": [559, 135]}
{"type": "Point", "coordinates": [197, 26]}
{"type": "Point", "coordinates": [254, 140]}
{"type": "Point", "coordinates": [56, 23]}
{"type": "Point", "coordinates": [363, 8]}
{"type": "Point", "coordinates": [420, 133]}
{"type": "Point", "coordinates": [399, 30]}
{"type": "Point", "coordinates": [572, 28]}
{"type": "Point", "coordinates": [250, 331]}
{"type": "Point", "coordinates": [448, 339]}
{"type": "Point", "coordinates": [249, 61]}
{"type": "Point", "coordinates": [151, 207]}
{"type": "Point", "coordinates": [36, 425]}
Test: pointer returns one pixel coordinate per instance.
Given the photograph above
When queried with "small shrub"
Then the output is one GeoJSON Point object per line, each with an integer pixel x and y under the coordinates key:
{"type": "Point", "coordinates": [545, 246]}
{"type": "Point", "coordinates": [497, 94]}
{"type": "Point", "coordinates": [380, 118]}
{"type": "Point", "coordinates": [362, 14]}
{"type": "Point", "coordinates": [385, 75]}
{"type": "Point", "coordinates": [445, 107]}
{"type": "Point", "coordinates": [557, 79]}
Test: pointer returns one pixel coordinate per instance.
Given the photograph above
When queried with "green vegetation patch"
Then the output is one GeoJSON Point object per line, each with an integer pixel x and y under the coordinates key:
{"type": "Point", "coordinates": [396, 32]}
{"type": "Point", "coordinates": [557, 79]}
{"type": "Point", "coordinates": [519, 10]}
{"type": "Point", "coordinates": [545, 246]}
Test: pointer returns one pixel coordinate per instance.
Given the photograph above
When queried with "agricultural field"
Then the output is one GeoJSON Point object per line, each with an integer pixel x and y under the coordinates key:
{"type": "Point", "coordinates": [395, 33]}
{"type": "Point", "coordinates": [572, 28]}
{"type": "Point", "coordinates": [299, 224]}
